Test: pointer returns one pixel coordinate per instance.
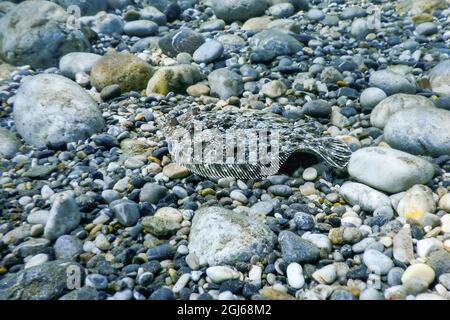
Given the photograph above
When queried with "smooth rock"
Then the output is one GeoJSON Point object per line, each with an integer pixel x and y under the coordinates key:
{"type": "Point", "coordinates": [141, 28]}
{"type": "Point", "coordinates": [419, 271]}
{"type": "Point", "coordinates": [38, 33]}
{"type": "Point", "coordinates": [395, 103]}
{"type": "Point", "coordinates": [182, 40]}
{"type": "Point", "coordinates": [296, 249]}
{"type": "Point", "coordinates": [75, 62]}
{"type": "Point", "coordinates": [9, 144]}
{"type": "Point", "coordinates": [368, 165]}
{"type": "Point", "coordinates": [173, 79]}
{"type": "Point", "coordinates": [64, 217]}
{"type": "Point", "coordinates": [208, 52]}
{"type": "Point", "coordinates": [225, 83]}
{"type": "Point", "coordinates": [391, 82]}
{"type": "Point", "coordinates": [238, 10]}
{"type": "Point", "coordinates": [416, 202]}
{"type": "Point", "coordinates": [377, 261]}
{"type": "Point", "coordinates": [370, 97]}
{"type": "Point", "coordinates": [403, 250]}
{"type": "Point", "coordinates": [124, 69]}
{"type": "Point", "coordinates": [422, 131]}
{"type": "Point", "coordinates": [75, 115]}
{"type": "Point", "coordinates": [221, 236]}
{"type": "Point", "coordinates": [367, 198]}
{"type": "Point", "coordinates": [294, 273]}
{"type": "Point", "coordinates": [46, 281]}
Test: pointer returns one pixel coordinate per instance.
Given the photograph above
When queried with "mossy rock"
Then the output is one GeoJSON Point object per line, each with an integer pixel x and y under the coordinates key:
{"type": "Point", "coordinates": [126, 70]}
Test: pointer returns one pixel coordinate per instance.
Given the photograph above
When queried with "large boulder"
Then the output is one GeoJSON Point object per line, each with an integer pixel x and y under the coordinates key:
{"type": "Point", "coordinates": [36, 33]}
{"type": "Point", "coordinates": [222, 236]}
{"type": "Point", "coordinates": [43, 282]}
{"type": "Point", "coordinates": [52, 109]}
{"type": "Point", "coordinates": [423, 131]}
{"type": "Point", "coordinates": [238, 10]}
{"type": "Point", "coordinates": [173, 79]}
{"type": "Point", "coordinates": [124, 69]}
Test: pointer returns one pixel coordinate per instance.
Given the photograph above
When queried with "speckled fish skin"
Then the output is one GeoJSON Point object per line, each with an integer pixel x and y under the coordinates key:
{"type": "Point", "coordinates": [301, 136]}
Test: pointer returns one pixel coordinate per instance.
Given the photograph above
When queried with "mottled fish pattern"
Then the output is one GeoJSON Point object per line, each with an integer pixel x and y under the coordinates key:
{"type": "Point", "coordinates": [292, 137]}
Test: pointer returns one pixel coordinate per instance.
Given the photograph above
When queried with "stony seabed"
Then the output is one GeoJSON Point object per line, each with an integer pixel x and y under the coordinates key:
{"type": "Point", "coordinates": [87, 181]}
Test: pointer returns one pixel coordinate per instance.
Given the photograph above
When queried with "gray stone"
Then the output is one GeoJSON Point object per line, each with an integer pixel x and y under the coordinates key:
{"type": "Point", "coordinates": [296, 249]}
{"type": "Point", "coordinates": [182, 40]}
{"type": "Point", "coordinates": [108, 23]}
{"type": "Point", "coordinates": [368, 166]}
{"type": "Point", "coordinates": [67, 247]}
{"type": "Point", "coordinates": [377, 262]}
{"type": "Point", "coordinates": [238, 10]}
{"type": "Point", "coordinates": [153, 14]}
{"type": "Point", "coordinates": [282, 10]}
{"type": "Point", "coordinates": [370, 97]}
{"type": "Point", "coordinates": [440, 78]}
{"type": "Point", "coordinates": [152, 193]}
{"type": "Point", "coordinates": [391, 82]}
{"type": "Point", "coordinates": [126, 212]}
{"type": "Point", "coordinates": [75, 62]}
{"type": "Point", "coordinates": [85, 293]}
{"type": "Point", "coordinates": [222, 236]}
{"type": "Point", "coordinates": [64, 217]}
{"type": "Point", "coordinates": [141, 28]}
{"type": "Point", "coordinates": [281, 190]}
{"type": "Point", "coordinates": [9, 144]}
{"type": "Point", "coordinates": [385, 109]}
{"type": "Point", "coordinates": [75, 115]}
{"type": "Point", "coordinates": [403, 250]}
{"type": "Point", "coordinates": [36, 33]}
{"type": "Point", "coordinates": [208, 52]}
{"type": "Point", "coordinates": [421, 131]}
{"type": "Point", "coordinates": [426, 29]}
{"type": "Point", "coordinates": [43, 282]}
{"type": "Point", "coordinates": [275, 41]}
{"type": "Point", "coordinates": [31, 247]}
{"type": "Point", "coordinates": [367, 198]}
{"type": "Point", "coordinates": [225, 83]}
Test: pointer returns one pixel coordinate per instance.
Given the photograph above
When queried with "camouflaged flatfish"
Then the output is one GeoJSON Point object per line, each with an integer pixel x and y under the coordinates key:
{"type": "Point", "coordinates": [246, 144]}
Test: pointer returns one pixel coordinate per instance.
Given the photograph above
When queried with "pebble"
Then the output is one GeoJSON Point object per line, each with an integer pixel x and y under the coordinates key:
{"type": "Point", "coordinates": [367, 198]}
{"type": "Point", "coordinates": [64, 217]}
{"type": "Point", "coordinates": [325, 275]}
{"type": "Point", "coordinates": [208, 52]}
{"type": "Point", "coordinates": [295, 276]}
{"type": "Point", "coordinates": [377, 261]}
{"type": "Point", "coordinates": [219, 274]}
{"type": "Point", "coordinates": [418, 271]}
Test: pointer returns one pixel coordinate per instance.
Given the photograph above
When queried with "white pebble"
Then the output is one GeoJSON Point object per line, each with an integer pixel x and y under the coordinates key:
{"type": "Point", "coordinates": [295, 275]}
{"type": "Point", "coordinates": [325, 275]}
{"type": "Point", "coordinates": [220, 274]}
{"type": "Point", "coordinates": [181, 283]}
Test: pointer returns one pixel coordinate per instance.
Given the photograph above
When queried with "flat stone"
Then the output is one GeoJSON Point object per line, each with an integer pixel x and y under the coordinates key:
{"type": "Point", "coordinates": [221, 236]}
